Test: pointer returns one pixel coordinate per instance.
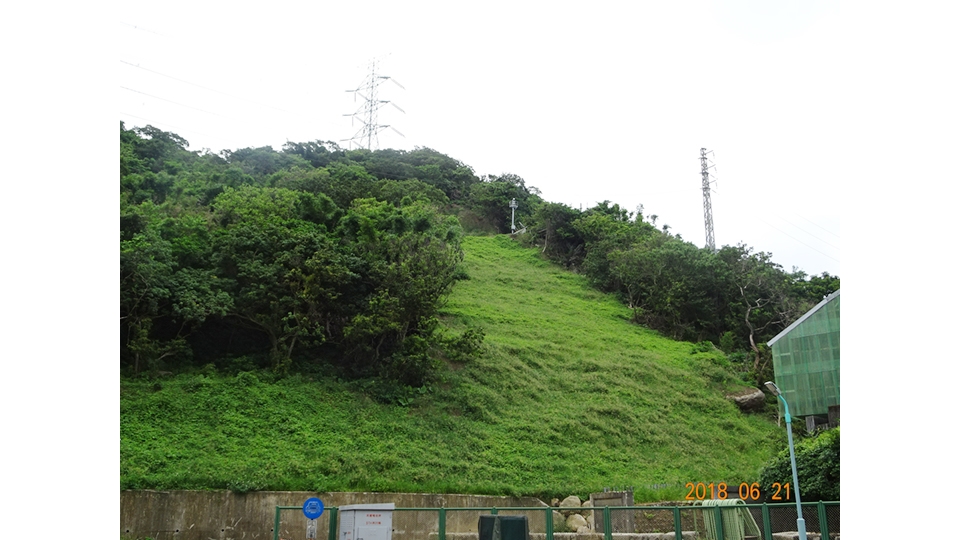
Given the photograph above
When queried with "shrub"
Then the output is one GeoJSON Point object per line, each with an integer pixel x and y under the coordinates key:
{"type": "Point", "coordinates": [818, 467]}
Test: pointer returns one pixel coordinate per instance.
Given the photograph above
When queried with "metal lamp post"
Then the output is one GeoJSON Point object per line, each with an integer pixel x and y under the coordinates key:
{"type": "Point", "coordinates": [801, 524]}
{"type": "Point", "coordinates": [513, 208]}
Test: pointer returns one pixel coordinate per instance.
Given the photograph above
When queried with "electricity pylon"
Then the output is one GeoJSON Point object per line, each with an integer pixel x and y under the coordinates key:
{"type": "Point", "coordinates": [707, 209]}
{"type": "Point", "coordinates": [367, 113]}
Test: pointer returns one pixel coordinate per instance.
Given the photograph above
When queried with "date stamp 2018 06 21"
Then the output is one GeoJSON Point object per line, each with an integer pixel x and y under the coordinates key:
{"type": "Point", "coordinates": [746, 492]}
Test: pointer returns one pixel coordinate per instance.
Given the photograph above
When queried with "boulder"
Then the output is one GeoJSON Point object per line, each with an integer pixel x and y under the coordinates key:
{"type": "Point", "coordinates": [749, 400]}
{"type": "Point", "coordinates": [575, 521]}
{"type": "Point", "coordinates": [587, 513]}
{"type": "Point", "coordinates": [570, 502]}
{"type": "Point", "coordinates": [558, 518]}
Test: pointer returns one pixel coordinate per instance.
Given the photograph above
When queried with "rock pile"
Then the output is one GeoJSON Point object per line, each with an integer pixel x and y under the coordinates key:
{"type": "Point", "coordinates": [572, 514]}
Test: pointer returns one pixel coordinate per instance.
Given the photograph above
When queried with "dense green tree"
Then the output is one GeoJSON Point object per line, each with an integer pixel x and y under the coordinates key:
{"type": "Point", "coordinates": [816, 288]}
{"type": "Point", "coordinates": [491, 198]}
{"type": "Point", "coordinates": [411, 255]}
{"type": "Point", "coordinates": [443, 172]}
{"type": "Point", "coordinates": [317, 153]}
{"type": "Point", "coordinates": [602, 234]}
{"type": "Point", "coordinates": [261, 249]}
{"type": "Point", "coordinates": [157, 150]}
{"type": "Point", "coordinates": [150, 162]}
{"type": "Point", "coordinates": [818, 468]}
{"type": "Point", "coordinates": [667, 282]}
{"type": "Point", "coordinates": [345, 183]}
{"type": "Point", "coordinates": [290, 245]}
{"type": "Point", "coordinates": [310, 180]}
{"type": "Point", "coordinates": [165, 293]}
{"type": "Point", "coordinates": [760, 298]}
{"type": "Point", "coordinates": [553, 228]}
{"type": "Point", "coordinates": [263, 161]}
{"type": "Point", "coordinates": [395, 191]}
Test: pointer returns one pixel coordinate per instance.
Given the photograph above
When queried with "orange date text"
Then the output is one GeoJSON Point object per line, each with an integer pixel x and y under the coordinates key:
{"type": "Point", "coordinates": [747, 492]}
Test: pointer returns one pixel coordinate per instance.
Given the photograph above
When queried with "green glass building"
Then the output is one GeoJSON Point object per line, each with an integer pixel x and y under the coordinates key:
{"type": "Point", "coordinates": [806, 363]}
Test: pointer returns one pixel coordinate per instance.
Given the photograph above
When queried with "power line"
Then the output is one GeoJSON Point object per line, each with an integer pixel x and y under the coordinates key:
{"type": "Point", "coordinates": [299, 115]}
{"type": "Point", "coordinates": [169, 101]}
{"type": "Point", "coordinates": [811, 234]}
{"type": "Point", "coordinates": [802, 242]}
{"type": "Point", "coordinates": [205, 88]}
{"type": "Point", "coordinates": [817, 226]}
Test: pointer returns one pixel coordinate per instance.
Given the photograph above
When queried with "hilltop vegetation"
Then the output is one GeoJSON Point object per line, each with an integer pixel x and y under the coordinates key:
{"type": "Point", "coordinates": [317, 257]}
{"type": "Point", "coordinates": [324, 319]}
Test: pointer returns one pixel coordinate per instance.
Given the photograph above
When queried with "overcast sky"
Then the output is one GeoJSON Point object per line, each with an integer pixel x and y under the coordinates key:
{"type": "Point", "coordinates": [587, 102]}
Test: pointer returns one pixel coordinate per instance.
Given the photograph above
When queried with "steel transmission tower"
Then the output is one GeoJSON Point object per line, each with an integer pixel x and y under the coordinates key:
{"type": "Point", "coordinates": [367, 113]}
{"type": "Point", "coordinates": [707, 209]}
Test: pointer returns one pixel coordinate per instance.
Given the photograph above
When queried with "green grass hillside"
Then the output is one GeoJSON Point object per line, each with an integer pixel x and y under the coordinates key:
{"type": "Point", "coordinates": [568, 397]}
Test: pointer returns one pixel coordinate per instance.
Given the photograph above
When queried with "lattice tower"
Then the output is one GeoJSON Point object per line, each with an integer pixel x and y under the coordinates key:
{"type": "Point", "coordinates": [366, 114]}
{"type": "Point", "coordinates": [707, 209]}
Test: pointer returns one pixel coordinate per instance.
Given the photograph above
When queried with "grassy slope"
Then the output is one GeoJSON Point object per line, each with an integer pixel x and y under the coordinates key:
{"type": "Point", "coordinates": [568, 398]}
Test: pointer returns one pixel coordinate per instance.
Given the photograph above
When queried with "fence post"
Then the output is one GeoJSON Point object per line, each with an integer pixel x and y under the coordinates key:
{"type": "Point", "coordinates": [549, 520]}
{"type": "Point", "coordinates": [332, 533]}
{"type": "Point", "coordinates": [677, 533]}
{"type": "Point", "coordinates": [822, 514]}
{"type": "Point", "coordinates": [442, 525]}
{"type": "Point", "coordinates": [493, 511]}
{"type": "Point", "coordinates": [719, 522]}
{"type": "Point", "coordinates": [276, 524]}
{"type": "Point", "coordinates": [767, 532]}
{"type": "Point", "coordinates": [607, 526]}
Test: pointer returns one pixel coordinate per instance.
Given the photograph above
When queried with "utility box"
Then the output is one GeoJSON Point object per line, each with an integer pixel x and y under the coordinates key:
{"type": "Point", "coordinates": [494, 527]}
{"type": "Point", "coordinates": [366, 521]}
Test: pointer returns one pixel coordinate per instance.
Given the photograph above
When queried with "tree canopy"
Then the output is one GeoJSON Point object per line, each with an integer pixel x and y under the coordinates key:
{"type": "Point", "coordinates": [324, 258]}
{"type": "Point", "coordinates": [300, 258]}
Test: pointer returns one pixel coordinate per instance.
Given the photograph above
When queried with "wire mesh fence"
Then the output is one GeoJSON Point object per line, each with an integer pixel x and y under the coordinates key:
{"type": "Point", "coordinates": [692, 522]}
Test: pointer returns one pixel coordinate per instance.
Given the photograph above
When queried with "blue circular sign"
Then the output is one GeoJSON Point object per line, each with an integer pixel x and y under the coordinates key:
{"type": "Point", "coordinates": [313, 508]}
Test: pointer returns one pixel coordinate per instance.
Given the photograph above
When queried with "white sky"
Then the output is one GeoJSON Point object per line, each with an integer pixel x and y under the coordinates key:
{"type": "Point", "coordinates": [605, 101]}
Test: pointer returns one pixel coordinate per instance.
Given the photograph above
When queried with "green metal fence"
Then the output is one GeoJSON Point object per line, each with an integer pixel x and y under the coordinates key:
{"type": "Point", "coordinates": [692, 521]}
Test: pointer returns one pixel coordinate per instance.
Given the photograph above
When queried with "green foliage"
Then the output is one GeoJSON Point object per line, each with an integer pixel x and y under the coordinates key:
{"type": "Point", "coordinates": [562, 395]}
{"type": "Point", "coordinates": [466, 346]}
{"type": "Point", "coordinates": [317, 153]}
{"type": "Point", "coordinates": [734, 295]}
{"type": "Point", "coordinates": [727, 342]}
{"type": "Point", "coordinates": [492, 197]}
{"type": "Point", "coordinates": [339, 265]}
{"type": "Point", "coordinates": [259, 258]}
{"type": "Point", "coordinates": [554, 228]}
{"type": "Point", "coordinates": [818, 467]}
{"type": "Point", "coordinates": [816, 288]}
{"type": "Point", "coordinates": [405, 192]}
{"type": "Point", "coordinates": [163, 297]}
{"type": "Point", "coordinates": [264, 161]}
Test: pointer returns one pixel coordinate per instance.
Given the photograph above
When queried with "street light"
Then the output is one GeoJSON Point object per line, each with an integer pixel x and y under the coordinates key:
{"type": "Point", "coordinates": [801, 524]}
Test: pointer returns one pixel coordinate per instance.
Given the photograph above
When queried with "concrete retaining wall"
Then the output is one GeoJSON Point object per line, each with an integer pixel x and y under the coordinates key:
{"type": "Point", "coordinates": [224, 515]}
{"type": "Point", "coordinates": [684, 535]}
